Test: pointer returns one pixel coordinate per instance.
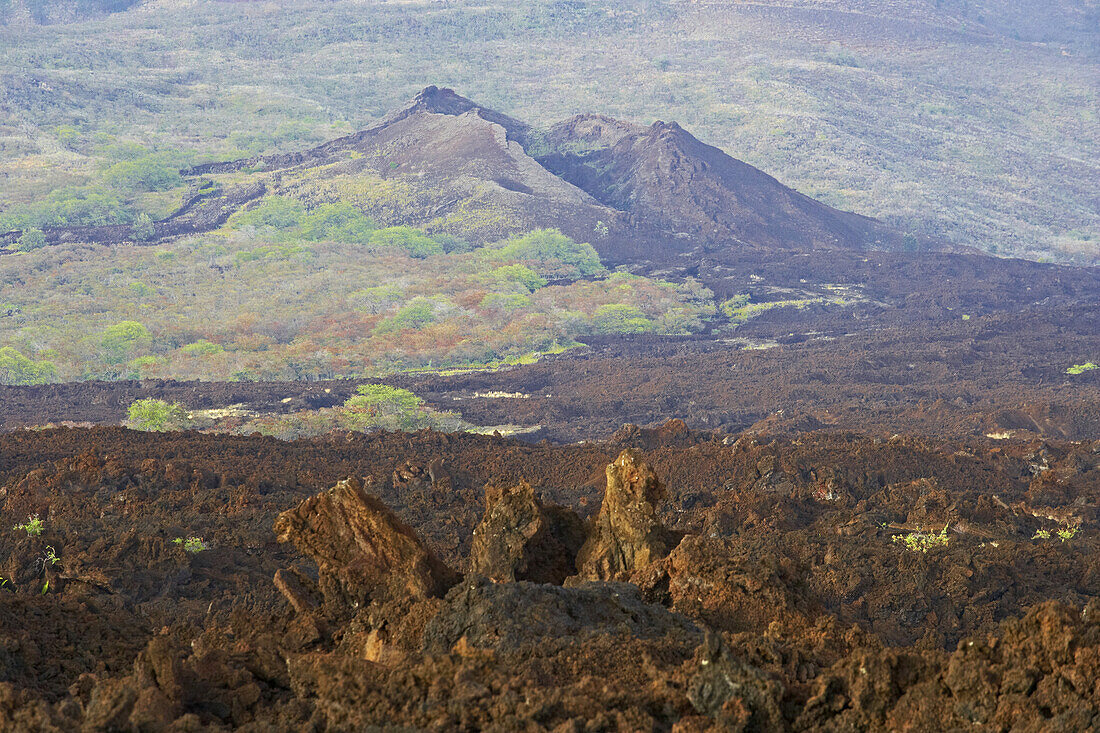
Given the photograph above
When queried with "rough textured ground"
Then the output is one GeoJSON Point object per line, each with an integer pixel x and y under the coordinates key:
{"type": "Point", "coordinates": [786, 602]}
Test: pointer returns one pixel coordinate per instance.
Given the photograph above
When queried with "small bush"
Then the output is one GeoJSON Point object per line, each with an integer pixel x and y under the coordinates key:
{"type": "Point", "coordinates": [194, 545]}
{"type": "Point", "coordinates": [143, 229]}
{"type": "Point", "coordinates": [416, 315]}
{"type": "Point", "coordinates": [156, 415]}
{"type": "Point", "coordinates": [15, 368]}
{"type": "Point", "coordinates": [923, 541]}
{"type": "Point", "coordinates": [550, 252]}
{"type": "Point", "coordinates": [34, 526]}
{"type": "Point", "coordinates": [415, 242]}
{"type": "Point", "coordinates": [122, 340]}
{"type": "Point", "coordinates": [340, 222]}
{"type": "Point", "coordinates": [617, 318]}
{"type": "Point", "coordinates": [30, 240]}
{"type": "Point", "coordinates": [202, 347]}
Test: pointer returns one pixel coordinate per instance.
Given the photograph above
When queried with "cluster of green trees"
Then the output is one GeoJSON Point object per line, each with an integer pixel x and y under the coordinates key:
{"type": "Point", "coordinates": [268, 303]}
{"type": "Point", "coordinates": [69, 206]}
{"type": "Point", "coordinates": [15, 368]}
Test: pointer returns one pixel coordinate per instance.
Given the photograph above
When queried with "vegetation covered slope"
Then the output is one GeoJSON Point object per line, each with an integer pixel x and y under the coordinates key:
{"type": "Point", "coordinates": [931, 116]}
{"type": "Point", "coordinates": [286, 294]}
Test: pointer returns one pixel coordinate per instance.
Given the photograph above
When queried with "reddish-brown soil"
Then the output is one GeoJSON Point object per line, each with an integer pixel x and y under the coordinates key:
{"type": "Point", "coordinates": [786, 606]}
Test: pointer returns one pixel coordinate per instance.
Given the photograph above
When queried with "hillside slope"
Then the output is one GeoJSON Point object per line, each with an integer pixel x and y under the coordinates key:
{"type": "Point", "coordinates": [448, 164]}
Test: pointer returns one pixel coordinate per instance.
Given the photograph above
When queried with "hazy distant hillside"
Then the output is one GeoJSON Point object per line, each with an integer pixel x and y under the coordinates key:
{"type": "Point", "coordinates": [931, 116]}
{"type": "Point", "coordinates": [60, 11]}
{"type": "Point", "coordinates": [1035, 20]}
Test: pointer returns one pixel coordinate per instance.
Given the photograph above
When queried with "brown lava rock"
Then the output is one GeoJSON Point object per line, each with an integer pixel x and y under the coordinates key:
{"type": "Point", "coordinates": [362, 549]}
{"type": "Point", "coordinates": [626, 535]}
{"type": "Point", "coordinates": [520, 538]}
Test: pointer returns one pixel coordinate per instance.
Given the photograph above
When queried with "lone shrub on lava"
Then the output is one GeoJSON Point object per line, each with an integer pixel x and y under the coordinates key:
{"type": "Point", "coordinates": [34, 526]}
{"type": "Point", "coordinates": [924, 541]}
{"type": "Point", "coordinates": [1088, 366]}
{"type": "Point", "coordinates": [194, 545]}
{"type": "Point", "coordinates": [156, 415]}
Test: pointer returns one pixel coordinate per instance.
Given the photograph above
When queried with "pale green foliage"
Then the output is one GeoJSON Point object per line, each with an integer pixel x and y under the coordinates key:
{"type": "Point", "coordinates": [123, 340]}
{"type": "Point", "coordinates": [68, 206]}
{"type": "Point", "coordinates": [34, 526]}
{"type": "Point", "coordinates": [194, 545]}
{"type": "Point", "coordinates": [379, 404]}
{"type": "Point", "coordinates": [549, 252]}
{"type": "Point", "coordinates": [300, 310]}
{"type": "Point", "coordinates": [504, 302]}
{"type": "Point", "coordinates": [924, 541]}
{"type": "Point", "coordinates": [141, 366]}
{"type": "Point", "coordinates": [617, 318]}
{"type": "Point", "coordinates": [156, 415]}
{"type": "Point", "coordinates": [1067, 533]}
{"type": "Point", "coordinates": [383, 398]}
{"type": "Point", "coordinates": [31, 239]}
{"type": "Point", "coordinates": [149, 173]}
{"type": "Point", "coordinates": [377, 299]}
{"type": "Point", "coordinates": [415, 242]}
{"type": "Point", "coordinates": [275, 212]}
{"type": "Point", "coordinates": [1088, 366]}
{"type": "Point", "coordinates": [143, 229]}
{"type": "Point", "coordinates": [340, 222]}
{"type": "Point", "coordinates": [420, 312]}
{"type": "Point", "coordinates": [202, 347]}
{"type": "Point", "coordinates": [15, 368]}
{"type": "Point", "coordinates": [518, 274]}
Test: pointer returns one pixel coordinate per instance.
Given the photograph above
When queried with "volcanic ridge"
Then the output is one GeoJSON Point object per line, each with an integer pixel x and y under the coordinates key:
{"type": "Point", "coordinates": [636, 193]}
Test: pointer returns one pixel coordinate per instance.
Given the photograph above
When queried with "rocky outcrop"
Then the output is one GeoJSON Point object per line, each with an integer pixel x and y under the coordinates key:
{"type": "Point", "coordinates": [362, 549]}
{"type": "Point", "coordinates": [736, 695]}
{"type": "Point", "coordinates": [508, 616]}
{"type": "Point", "coordinates": [626, 535]}
{"type": "Point", "coordinates": [520, 538]}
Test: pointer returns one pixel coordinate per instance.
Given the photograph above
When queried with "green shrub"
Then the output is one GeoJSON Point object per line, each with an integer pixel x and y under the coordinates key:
{"type": "Point", "coordinates": [156, 415]}
{"type": "Point", "coordinates": [380, 405]}
{"type": "Point", "coordinates": [18, 369]}
{"type": "Point", "coordinates": [504, 302]}
{"type": "Point", "coordinates": [377, 299]}
{"type": "Point", "coordinates": [143, 229]}
{"type": "Point", "coordinates": [34, 526]}
{"type": "Point", "coordinates": [520, 274]}
{"type": "Point", "coordinates": [339, 222]}
{"type": "Point", "coordinates": [923, 541]}
{"type": "Point", "coordinates": [617, 318]}
{"type": "Point", "coordinates": [121, 341]}
{"type": "Point", "coordinates": [69, 206]}
{"type": "Point", "coordinates": [275, 212]}
{"type": "Point", "coordinates": [193, 545]}
{"type": "Point", "coordinates": [415, 242]}
{"type": "Point", "coordinates": [551, 252]}
{"type": "Point", "coordinates": [420, 312]}
{"type": "Point", "coordinates": [202, 347]}
{"type": "Point", "coordinates": [30, 240]}
{"type": "Point", "coordinates": [383, 397]}
{"type": "Point", "coordinates": [149, 173]}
